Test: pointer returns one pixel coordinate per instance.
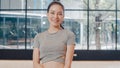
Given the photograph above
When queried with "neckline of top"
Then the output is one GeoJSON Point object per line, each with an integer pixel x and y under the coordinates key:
{"type": "Point", "coordinates": [54, 32]}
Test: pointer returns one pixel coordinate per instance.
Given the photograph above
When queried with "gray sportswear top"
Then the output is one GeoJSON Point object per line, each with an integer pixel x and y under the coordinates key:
{"type": "Point", "coordinates": [53, 45]}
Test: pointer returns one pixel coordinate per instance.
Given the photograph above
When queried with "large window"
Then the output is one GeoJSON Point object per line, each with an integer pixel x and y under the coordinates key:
{"type": "Point", "coordinates": [96, 23]}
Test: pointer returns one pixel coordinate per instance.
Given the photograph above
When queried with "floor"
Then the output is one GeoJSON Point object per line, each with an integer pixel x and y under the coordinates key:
{"type": "Point", "coordinates": [75, 64]}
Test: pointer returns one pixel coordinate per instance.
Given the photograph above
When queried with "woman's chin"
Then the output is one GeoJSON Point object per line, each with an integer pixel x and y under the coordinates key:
{"type": "Point", "coordinates": [55, 24]}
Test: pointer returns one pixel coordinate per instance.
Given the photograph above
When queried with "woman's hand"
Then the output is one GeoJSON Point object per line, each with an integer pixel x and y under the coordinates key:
{"type": "Point", "coordinates": [41, 66]}
{"type": "Point", "coordinates": [66, 67]}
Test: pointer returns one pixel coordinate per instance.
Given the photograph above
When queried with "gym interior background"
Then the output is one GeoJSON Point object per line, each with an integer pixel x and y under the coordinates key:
{"type": "Point", "coordinates": [96, 24]}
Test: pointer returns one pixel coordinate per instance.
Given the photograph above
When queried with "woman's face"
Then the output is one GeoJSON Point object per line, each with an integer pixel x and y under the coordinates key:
{"type": "Point", "coordinates": [55, 15]}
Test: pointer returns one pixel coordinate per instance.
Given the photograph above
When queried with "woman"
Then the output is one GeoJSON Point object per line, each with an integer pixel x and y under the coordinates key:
{"type": "Point", "coordinates": [54, 48]}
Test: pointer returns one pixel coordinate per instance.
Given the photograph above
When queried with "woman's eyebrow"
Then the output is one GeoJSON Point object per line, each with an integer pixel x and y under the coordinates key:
{"type": "Point", "coordinates": [57, 12]}
{"type": "Point", "coordinates": [52, 10]}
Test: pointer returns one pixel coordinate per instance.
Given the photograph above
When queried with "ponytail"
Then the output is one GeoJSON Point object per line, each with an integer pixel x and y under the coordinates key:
{"type": "Point", "coordinates": [61, 26]}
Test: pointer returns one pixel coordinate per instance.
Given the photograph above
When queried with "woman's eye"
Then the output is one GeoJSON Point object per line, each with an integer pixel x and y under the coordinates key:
{"type": "Point", "coordinates": [60, 14]}
{"type": "Point", "coordinates": [52, 12]}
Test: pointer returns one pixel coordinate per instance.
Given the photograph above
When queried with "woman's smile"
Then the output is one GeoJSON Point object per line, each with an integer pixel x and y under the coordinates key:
{"type": "Point", "coordinates": [55, 21]}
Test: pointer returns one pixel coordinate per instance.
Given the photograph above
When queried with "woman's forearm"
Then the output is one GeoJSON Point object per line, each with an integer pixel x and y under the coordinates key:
{"type": "Point", "coordinates": [36, 60]}
{"type": "Point", "coordinates": [69, 56]}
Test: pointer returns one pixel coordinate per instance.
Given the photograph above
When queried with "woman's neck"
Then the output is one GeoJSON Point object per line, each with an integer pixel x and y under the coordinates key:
{"type": "Point", "coordinates": [53, 29]}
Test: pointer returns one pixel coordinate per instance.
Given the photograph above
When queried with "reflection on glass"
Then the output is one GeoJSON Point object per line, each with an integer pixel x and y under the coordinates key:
{"type": "Point", "coordinates": [11, 30]}
{"type": "Point", "coordinates": [76, 22]}
{"type": "Point", "coordinates": [1, 31]}
{"type": "Point", "coordinates": [118, 31]}
{"type": "Point", "coordinates": [118, 5]}
{"type": "Point", "coordinates": [78, 4]}
{"type": "Point", "coordinates": [12, 4]}
{"type": "Point", "coordinates": [38, 4]}
{"type": "Point", "coordinates": [102, 30]}
{"type": "Point", "coordinates": [102, 4]}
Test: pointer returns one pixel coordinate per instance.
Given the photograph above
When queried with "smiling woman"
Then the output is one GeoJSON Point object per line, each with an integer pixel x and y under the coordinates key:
{"type": "Point", "coordinates": [54, 47]}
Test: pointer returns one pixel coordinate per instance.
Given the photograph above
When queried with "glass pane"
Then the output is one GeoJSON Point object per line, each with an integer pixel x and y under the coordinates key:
{"type": "Point", "coordinates": [78, 4]}
{"type": "Point", "coordinates": [38, 4]}
{"type": "Point", "coordinates": [102, 4]}
{"type": "Point", "coordinates": [102, 30]}
{"type": "Point", "coordinates": [12, 4]}
{"type": "Point", "coordinates": [12, 30]}
{"type": "Point", "coordinates": [37, 22]}
{"type": "Point", "coordinates": [118, 5]}
{"type": "Point", "coordinates": [118, 31]}
{"type": "Point", "coordinates": [76, 21]}
{"type": "Point", "coordinates": [1, 32]}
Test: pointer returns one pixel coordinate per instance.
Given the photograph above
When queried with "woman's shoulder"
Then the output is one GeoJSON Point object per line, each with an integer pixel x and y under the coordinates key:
{"type": "Point", "coordinates": [68, 31]}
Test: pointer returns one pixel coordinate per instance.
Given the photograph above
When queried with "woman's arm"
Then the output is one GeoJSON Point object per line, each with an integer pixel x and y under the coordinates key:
{"type": "Point", "coordinates": [69, 56]}
{"type": "Point", "coordinates": [36, 60]}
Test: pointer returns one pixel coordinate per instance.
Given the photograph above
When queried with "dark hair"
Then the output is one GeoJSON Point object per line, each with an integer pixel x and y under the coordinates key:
{"type": "Point", "coordinates": [56, 3]}
{"type": "Point", "coordinates": [53, 3]}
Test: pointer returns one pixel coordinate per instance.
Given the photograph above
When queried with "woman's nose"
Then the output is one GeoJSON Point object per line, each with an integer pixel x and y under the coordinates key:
{"type": "Point", "coordinates": [56, 16]}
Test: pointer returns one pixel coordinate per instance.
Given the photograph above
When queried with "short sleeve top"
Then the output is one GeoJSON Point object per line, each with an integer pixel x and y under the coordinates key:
{"type": "Point", "coordinates": [53, 45]}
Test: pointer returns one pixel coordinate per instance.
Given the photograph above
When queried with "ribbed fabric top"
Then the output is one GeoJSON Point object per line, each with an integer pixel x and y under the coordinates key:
{"type": "Point", "coordinates": [53, 45]}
